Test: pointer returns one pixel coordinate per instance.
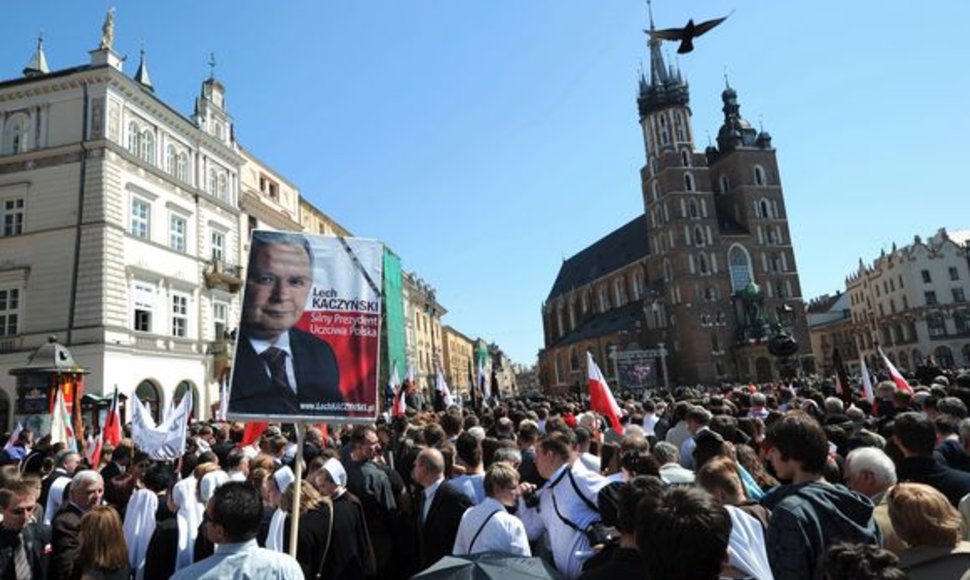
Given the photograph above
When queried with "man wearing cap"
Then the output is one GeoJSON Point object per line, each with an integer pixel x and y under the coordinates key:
{"type": "Point", "coordinates": [279, 368]}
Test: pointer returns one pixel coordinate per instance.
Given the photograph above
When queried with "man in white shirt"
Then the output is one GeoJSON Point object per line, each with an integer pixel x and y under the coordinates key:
{"type": "Point", "coordinates": [488, 527]}
{"type": "Point", "coordinates": [233, 516]}
{"type": "Point", "coordinates": [566, 504]}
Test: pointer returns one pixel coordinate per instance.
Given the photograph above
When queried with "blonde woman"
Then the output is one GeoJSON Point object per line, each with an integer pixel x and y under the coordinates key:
{"type": "Point", "coordinates": [932, 529]}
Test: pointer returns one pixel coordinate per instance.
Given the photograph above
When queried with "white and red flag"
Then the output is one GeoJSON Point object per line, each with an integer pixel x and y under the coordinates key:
{"type": "Point", "coordinates": [92, 450]}
{"type": "Point", "coordinates": [399, 407]}
{"type": "Point", "coordinates": [866, 381]}
{"type": "Point", "coordinates": [442, 387]}
{"type": "Point", "coordinates": [61, 429]}
{"type": "Point", "coordinates": [600, 397]}
{"type": "Point", "coordinates": [111, 432]}
{"type": "Point", "coordinates": [901, 383]}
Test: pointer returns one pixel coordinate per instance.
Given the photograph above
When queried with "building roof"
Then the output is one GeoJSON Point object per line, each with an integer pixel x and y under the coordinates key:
{"type": "Point", "coordinates": [620, 247]}
{"type": "Point", "coordinates": [609, 322]}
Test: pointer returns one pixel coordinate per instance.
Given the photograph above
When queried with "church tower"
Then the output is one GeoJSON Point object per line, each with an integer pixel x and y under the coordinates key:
{"type": "Point", "coordinates": [721, 263]}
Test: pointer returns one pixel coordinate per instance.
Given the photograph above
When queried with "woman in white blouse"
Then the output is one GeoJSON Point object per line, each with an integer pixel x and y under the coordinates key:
{"type": "Point", "coordinates": [488, 527]}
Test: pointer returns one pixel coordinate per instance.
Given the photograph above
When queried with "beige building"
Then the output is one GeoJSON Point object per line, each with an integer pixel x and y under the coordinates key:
{"type": "Point", "coordinates": [459, 360]}
{"type": "Point", "coordinates": [830, 328]}
{"type": "Point", "coordinates": [425, 350]}
{"type": "Point", "coordinates": [317, 222]}
{"type": "Point", "coordinates": [912, 301]}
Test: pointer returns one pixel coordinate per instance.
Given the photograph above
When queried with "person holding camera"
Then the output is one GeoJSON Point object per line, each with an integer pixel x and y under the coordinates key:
{"type": "Point", "coordinates": [565, 507]}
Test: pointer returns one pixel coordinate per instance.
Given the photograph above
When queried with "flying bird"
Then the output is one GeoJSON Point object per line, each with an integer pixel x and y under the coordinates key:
{"type": "Point", "coordinates": [686, 34]}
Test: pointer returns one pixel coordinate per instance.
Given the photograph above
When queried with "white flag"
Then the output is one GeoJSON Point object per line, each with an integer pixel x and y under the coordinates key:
{"type": "Point", "coordinates": [442, 386]}
{"type": "Point", "coordinates": [166, 441]}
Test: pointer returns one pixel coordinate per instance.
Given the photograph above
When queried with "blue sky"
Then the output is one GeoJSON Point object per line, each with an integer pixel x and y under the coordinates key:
{"type": "Point", "coordinates": [486, 140]}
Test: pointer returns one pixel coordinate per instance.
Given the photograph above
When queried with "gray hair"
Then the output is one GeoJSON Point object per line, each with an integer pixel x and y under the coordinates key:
{"type": "Point", "coordinates": [834, 405]}
{"type": "Point", "coordinates": [508, 455]}
{"type": "Point", "coordinates": [262, 239]}
{"type": "Point", "coordinates": [666, 452]}
{"type": "Point", "coordinates": [85, 477]}
{"type": "Point", "coordinates": [873, 460]}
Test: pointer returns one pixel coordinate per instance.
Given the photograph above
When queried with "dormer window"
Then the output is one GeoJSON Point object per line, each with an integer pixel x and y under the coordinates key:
{"type": "Point", "coordinates": [269, 187]}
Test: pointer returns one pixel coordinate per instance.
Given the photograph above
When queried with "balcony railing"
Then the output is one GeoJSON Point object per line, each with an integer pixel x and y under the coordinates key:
{"type": "Point", "coordinates": [220, 274]}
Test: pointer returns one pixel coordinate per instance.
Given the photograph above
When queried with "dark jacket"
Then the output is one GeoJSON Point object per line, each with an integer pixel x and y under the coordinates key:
{"type": "Point", "coordinates": [624, 563]}
{"type": "Point", "coordinates": [436, 537]}
{"type": "Point", "coordinates": [45, 485]}
{"type": "Point", "coordinates": [36, 537]}
{"type": "Point", "coordinates": [809, 517]}
{"type": "Point", "coordinates": [317, 379]}
{"type": "Point", "coordinates": [64, 542]}
{"type": "Point", "coordinates": [933, 563]}
{"type": "Point", "coordinates": [954, 484]}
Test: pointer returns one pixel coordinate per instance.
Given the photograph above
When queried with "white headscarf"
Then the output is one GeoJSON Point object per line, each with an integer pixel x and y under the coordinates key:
{"type": "Point", "coordinates": [55, 498]}
{"type": "Point", "coordinates": [283, 477]}
{"type": "Point", "coordinates": [746, 545]}
{"type": "Point", "coordinates": [337, 472]}
{"type": "Point", "coordinates": [188, 517]}
{"type": "Point", "coordinates": [210, 483]}
{"type": "Point", "coordinates": [139, 527]}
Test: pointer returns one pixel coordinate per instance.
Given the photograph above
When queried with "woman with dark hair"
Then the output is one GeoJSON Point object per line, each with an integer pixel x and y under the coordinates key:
{"type": "Point", "coordinates": [102, 552]}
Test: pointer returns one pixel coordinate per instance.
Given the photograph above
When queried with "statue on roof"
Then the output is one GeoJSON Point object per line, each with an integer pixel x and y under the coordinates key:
{"type": "Point", "coordinates": [108, 30]}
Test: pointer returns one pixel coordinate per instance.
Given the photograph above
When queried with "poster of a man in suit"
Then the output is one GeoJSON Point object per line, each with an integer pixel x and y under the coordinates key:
{"type": "Point", "coordinates": [307, 347]}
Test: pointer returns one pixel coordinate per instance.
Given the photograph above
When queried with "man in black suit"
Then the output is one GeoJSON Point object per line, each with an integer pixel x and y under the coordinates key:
{"type": "Point", "coordinates": [440, 507]}
{"type": "Point", "coordinates": [87, 489]}
{"type": "Point", "coordinates": [278, 367]}
{"type": "Point", "coordinates": [22, 542]}
{"type": "Point", "coordinates": [120, 459]}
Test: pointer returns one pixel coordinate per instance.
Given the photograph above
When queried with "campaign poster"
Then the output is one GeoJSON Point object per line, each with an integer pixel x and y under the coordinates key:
{"type": "Point", "coordinates": [309, 331]}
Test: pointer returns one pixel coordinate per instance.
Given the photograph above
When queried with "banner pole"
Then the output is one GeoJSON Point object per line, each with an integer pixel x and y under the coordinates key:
{"type": "Point", "coordinates": [298, 483]}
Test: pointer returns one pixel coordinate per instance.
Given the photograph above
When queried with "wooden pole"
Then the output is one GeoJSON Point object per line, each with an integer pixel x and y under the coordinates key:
{"type": "Point", "coordinates": [298, 483]}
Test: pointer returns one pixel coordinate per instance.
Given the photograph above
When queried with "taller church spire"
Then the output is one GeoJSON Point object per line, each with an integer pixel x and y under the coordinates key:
{"type": "Point", "coordinates": [38, 62]}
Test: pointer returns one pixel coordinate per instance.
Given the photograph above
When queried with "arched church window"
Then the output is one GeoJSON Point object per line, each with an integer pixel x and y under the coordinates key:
{"type": "Point", "coordinates": [688, 182]}
{"type": "Point", "coordinates": [764, 210]}
{"type": "Point", "coordinates": [685, 157]}
{"type": "Point", "coordinates": [759, 175]}
{"type": "Point", "coordinates": [702, 263]}
{"type": "Point", "coordinates": [740, 267]}
{"type": "Point", "coordinates": [698, 237]}
{"type": "Point", "coordinates": [692, 209]}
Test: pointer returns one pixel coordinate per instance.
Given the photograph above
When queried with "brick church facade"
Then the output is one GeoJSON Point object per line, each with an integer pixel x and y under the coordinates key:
{"type": "Point", "coordinates": [708, 270]}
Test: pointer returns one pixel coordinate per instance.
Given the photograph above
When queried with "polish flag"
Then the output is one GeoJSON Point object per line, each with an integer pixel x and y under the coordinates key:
{"type": "Point", "coordinates": [442, 387]}
{"type": "Point", "coordinates": [600, 397]}
{"type": "Point", "coordinates": [399, 407]}
{"type": "Point", "coordinates": [252, 433]}
{"type": "Point", "coordinates": [897, 378]}
{"type": "Point", "coordinates": [111, 432]}
{"type": "Point", "coordinates": [867, 382]}
{"type": "Point", "coordinates": [61, 430]}
{"type": "Point", "coordinates": [92, 450]}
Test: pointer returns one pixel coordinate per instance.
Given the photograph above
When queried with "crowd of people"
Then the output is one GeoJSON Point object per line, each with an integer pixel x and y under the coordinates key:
{"type": "Point", "coordinates": [736, 481]}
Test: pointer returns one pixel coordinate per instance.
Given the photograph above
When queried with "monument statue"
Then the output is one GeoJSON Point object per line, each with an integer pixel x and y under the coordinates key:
{"type": "Point", "coordinates": [108, 30]}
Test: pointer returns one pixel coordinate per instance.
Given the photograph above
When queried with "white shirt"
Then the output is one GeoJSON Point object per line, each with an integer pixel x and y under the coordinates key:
{"type": "Point", "coordinates": [678, 434]}
{"type": "Point", "coordinates": [674, 474]}
{"type": "Point", "coordinates": [429, 497]}
{"type": "Point", "coordinates": [570, 548]}
{"type": "Point", "coordinates": [244, 560]}
{"type": "Point", "coordinates": [503, 532]}
{"type": "Point", "coordinates": [282, 343]}
{"type": "Point", "coordinates": [650, 421]}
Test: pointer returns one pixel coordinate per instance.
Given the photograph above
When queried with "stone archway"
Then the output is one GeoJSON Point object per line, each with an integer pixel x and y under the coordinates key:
{"type": "Point", "coordinates": [181, 389]}
{"type": "Point", "coordinates": [150, 396]}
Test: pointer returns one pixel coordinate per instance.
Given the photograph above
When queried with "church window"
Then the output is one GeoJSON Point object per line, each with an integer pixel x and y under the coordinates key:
{"type": "Point", "coordinates": [668, 271]}
{"type": "Point", "coordinates": [763, 210]}
{"type": "Point", "coordinates": [692, 209]}
{"type": "Point", "coordinates": [688, 182]}
{"type": "Point", "coordinates": [759, 175]}
{"type": "Point", "coordinates": [740, 267]}
{"type": "Point", "coordinates": [725, 184]}
{"type": "Point", "coordinates": [655, 188]}
{"type": "Point", "coordinates": [679, 124]}
{"type": "Point", "coordinates": [685, 157]}
{"type": "Point", "coordinates": [698, 236]}
{"type": "Point", "coordinates": [702, 263]}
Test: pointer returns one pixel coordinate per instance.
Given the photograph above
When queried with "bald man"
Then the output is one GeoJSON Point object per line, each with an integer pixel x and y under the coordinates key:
{"type": "Point", "coordinates": [440, 507]}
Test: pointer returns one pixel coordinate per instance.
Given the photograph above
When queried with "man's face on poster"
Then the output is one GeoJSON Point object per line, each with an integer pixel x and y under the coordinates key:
{"type": "Point", "coordinates": [276, 289]}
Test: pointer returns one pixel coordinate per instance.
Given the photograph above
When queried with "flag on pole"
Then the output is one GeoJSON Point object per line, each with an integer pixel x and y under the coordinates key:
{"type": "Point", "coordinates": [77, 418]}
{"type": "Point", "coordinates": [867, 382]}
{"type": "Point", "coordinates": [600, 398]}
{"type": "Point", "coordinates": [111, 432]}
{"type": "Point", "coordinates": [165, 441]}
{"type": "Point", "coordinates": [92, 450]}
{"type": "Point", "coordinates": [442, 387]}
{"type": "Point", "coordinates": [61, 430]}
{"type": "Point", "coordinates": [483, 386]}
{"type": "Point", "coordinates": [14, 436]}
{"type": "Point", "coordinates": [399, 406]}
{"type": "Point", "coordinates": [901, 383]}
{"type": "Point", "coordinates": [842, 387]}
{"type": "Point", "coordinates": [254, 429]}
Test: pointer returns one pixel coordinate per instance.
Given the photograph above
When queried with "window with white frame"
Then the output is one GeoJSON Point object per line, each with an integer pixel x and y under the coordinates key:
{"type": "Point", "coordinates": [9, 311]}
{"type": "Point", "coordinates": [17, 134]}
{"type": "Point", "coordinates": [147, 151]}
{"type": "Point", "coordinates": [182, 167]}
{"type": "Point", "coordinates": [180, 315]}
{"type": "Point", "coordinates": [13, 216]}
{"type": "Point", "coordinates": [217, 242]}
{"type": "Point", "coordinates": [142, 305]}
{"type": "Point", "coordinates": [141, 214]}
{"type": "Point", "coordinates": [170, 160]}
{"type": "Point", "coordinates": [213, 181]}
{"type": "Point", "coordinates": [177, 226]}
{"type": "Point", "coordinates": [223, 192]}
{"type": "Point", "coordinates": [220, 314]}
{"type": "Point", "coordinates": [134, 138]}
